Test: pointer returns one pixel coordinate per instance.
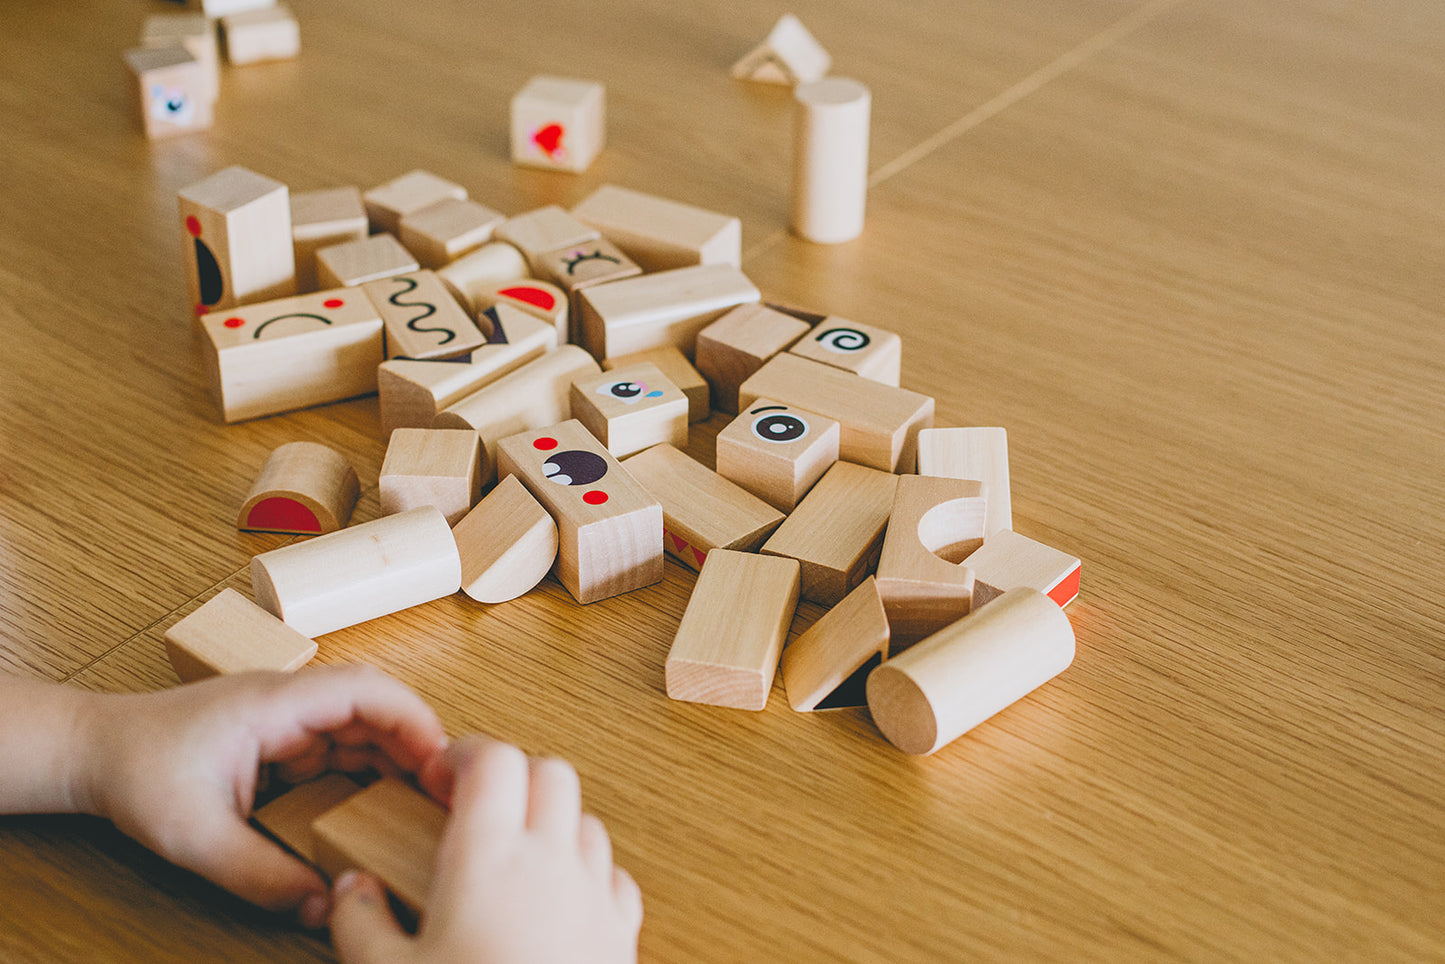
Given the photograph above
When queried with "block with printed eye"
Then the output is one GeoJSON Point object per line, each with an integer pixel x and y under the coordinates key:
{"type": "Point", "coordinates": [630, 409]}
{"type": "Point", "coordinates": [174, 88]}
{"type": "Point", "coordinates": [777, 452]}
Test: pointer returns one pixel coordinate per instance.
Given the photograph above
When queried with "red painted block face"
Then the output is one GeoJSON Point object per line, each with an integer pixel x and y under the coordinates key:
{"type": "Point", "coordinates": [1067, 589]}
{"type": "Point", "coordinates": [280, 514]}
{"type": "Point", "coordinates": [538, 297]}
{"type": "Point", "coordinates": [549, 139]}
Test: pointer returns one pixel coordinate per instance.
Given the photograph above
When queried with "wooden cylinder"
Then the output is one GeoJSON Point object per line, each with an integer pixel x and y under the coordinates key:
{"type": "Point", "coordinates": [967, 672]}
{"type": "Point", "coordinates": [370, 570]}
{"type": "Point", "coordinates": [830, 159]}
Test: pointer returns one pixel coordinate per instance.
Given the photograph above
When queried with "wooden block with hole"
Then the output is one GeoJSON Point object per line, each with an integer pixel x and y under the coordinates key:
{"type": "Point", "coordinates": [630, 409]}
{"type": "Point", "coordinates": [231, 634]}
{"type": "Point", "coordinates": [935, 524]}
{"type": "Point", "coordinates": [237, 230]}
{"type": "Point", "coordinates": [726, 649]}
{"type": "Point", "coordinates": [777, 452]}
{"type": "Point", "coordinates": [442, 232]}
{"type": "Point", "coordinates": [701, 510]}
{"type": "Point", "coordinates": [679, 371]}
{"type": "Point", "coordinates": [423, 320]}
{"type": "Point", "coordinates": [544, 229]}
{"type": "Point", "coordinates": [508, 542]}
{"type": "Point", "coordinates": [971, 453]}
{"type": "Point", "coordinates": [173, 90]}
{"type": "Point", "coordinates": [254, 36]}
{"type": "Point", "coordinates": [861, 349]}
{"type": "Point", "coordinates": [430, 466]}
{"type": "Point", "coordinates": [304, 488]}
{"type": "Point", "coordinates": [558, 123]}
{"type": "Point", "coordinates": [493, 263]}
{"type": "Point", "coordinates": [195, 32]}
{"type": "Point", "coordinates": [666, 308]}
{"type": "Point", "coordinates": [1008, 560]}
{"type": "Point", "coordinates": [880, 423]}
{"type": "Point", "coordinates": [660, 234]}
{"type": "Point", "coordinates": [537, 298]}
{"type": "Point", "coordinates": [788, 55]}
{"type": "Point", "coordinates": [289, 817]}
{"type": "Point", "coordinates": [827, 667]}
{"type": "Point", "coordinates": [361, 573]}
{"type": "Point", "coordinates": [354, 263]}
{"type": "Point", "coordinates": [836, 532]}
{"type": "Point", "coordinates": [413, 393]}
{"type": "Point", "coordinates": [291, 353]}
{"type": "Point", "coordinates": [730, 350]}
{"type": "Point", "coordinates": [320, 219]}
{"type": "Point", "coordinates": [534, 396]}
{"type": "Point", "coordinates": [388, 830]}
{"type": "Point", "coordinates": [388, 203]}
{"type": "Point", "coordinates": [609, 527]}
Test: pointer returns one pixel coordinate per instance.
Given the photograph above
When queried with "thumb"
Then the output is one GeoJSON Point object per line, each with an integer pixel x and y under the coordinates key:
{"type": "Point", "coordinates": [362, 926]}
{"type": "Point", "coordinates": [231, 854]}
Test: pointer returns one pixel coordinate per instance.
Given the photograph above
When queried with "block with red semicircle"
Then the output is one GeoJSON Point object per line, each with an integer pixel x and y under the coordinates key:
{"type": "Point", "coordinates": [304, 488]}
{"type": "Point", "coordinates": [537, 298]}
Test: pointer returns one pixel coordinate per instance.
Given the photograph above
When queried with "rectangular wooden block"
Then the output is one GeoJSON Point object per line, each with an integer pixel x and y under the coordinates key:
{"type": "Point", "coordinates": [231, 634]}
{"type": "Point", "coordinates": [292, 353]}
{"type": "Point", "coordinates": [194, 32]}
{"type": "Point", "coordinates": [357, 262]}
{"type": "Point", "coordinates": [536, 232]}
{"type": "Point", "coordinates": [679, 371]}
{"type": "Point", "coordinates": [880, 423]}
{"type": "Point", "coordinates": [389, 830]}
{"type": "Point", "coordinates": [836, 532]}
{"type": "Point", "coordinates": [413, 393]}
{"type": "Point", "coordinates": [735, 346]}
{"type": "Point", "coordinates": [660, 234]}
{"type": "Point", "coordinates": [701, 510]}
{"type": "Point", "coordinates": [630, 409]}
{"type": "Point", "coordinates": [777, 452]}
{"type": "Point", "coordinates": [388, 203]}
{"type": "Point", "coordinates": [1008, 560]}
{"type": "Point", "coordinates": [934, 525]}
{"type": "Point", "coordinates": [726, 649]}
{"type": "Point", "coordinates": [971, 453]}
{"type": "Point", "coordinates": [578, 266]}
{"type": "Point", "coordinates": [440, 233]}
{"type": "Point", "coordinates": [269, 33]}
{"type": "Point", "coordinates": [237, 230]}
{"type": "Point", "coordinates": [173, 88]}
{"type": "Point", "coordinates": [609, 526]}
{"type": "Point", "coordinates": [826, 667]}
{"type": "Point", "coordinates": [861, 349]}
{"type": "Point", "coordinates": [320, 219]}
{"type": "Point", "coordinates": [666, 308]}
{"type": "Point", "coordinates": [432, 466]}
{"type": "Point", "coordinates": [423, 320]}
{"type": "Point", "coordinates": [289, 817]}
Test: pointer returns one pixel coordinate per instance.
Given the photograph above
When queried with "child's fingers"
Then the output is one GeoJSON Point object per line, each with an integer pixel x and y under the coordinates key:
{"type": "Point", "coordinates": [489, 809]}
{"type": "Point", "coordinates": [362, 926]}
{"type": "Point", "coordinates": [252, 867]}
{"type": "Point", "coordinates": [554, 804]}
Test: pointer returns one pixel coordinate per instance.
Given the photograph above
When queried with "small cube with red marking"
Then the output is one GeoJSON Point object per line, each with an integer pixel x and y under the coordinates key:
{"type": "Point", "coordinates": [558, 123]}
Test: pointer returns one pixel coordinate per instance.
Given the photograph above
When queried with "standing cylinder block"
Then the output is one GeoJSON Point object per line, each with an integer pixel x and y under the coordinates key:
{"type": "Point", "coordinates": [830, 159]}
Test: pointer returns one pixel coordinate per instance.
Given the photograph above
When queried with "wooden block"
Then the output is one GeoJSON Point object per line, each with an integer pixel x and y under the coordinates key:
{"type": "Point", "coordinates": [304, 488]}
{"type": "Point", "coordinates": [609, 528]}
{"type": "Point", "coordinates": [860, 349]}
{"type": "Point", "coordinates": [269, 33]}
{"type": "Point", "coordinates": [788, 55]}
{"type": "Point", "coordinates": [1010, 561]}
{"type": "Point", "coordinates": [320, 219]}
{"type": "Point", "coordinates": [423, 320]}
{"type": "Point", "coordinates": [827, 667]}
{"type": "Point", "coordinates": [173, 90]}
{"type": "Point", "coordinates": [440, 233]}
{"type": "Point", "coordinates": [387, 204]}
{"type": "Point", "coordinates": [701, 510]}
{"type": "Point", "coordinates": [777, 452]}
{"type": "Point", "coordinates": [879, 423]}
{"type": "Point", "coordinates": [581, 266]}
{"type": "Point", "coordinates": [971, 453]}
{"type": "Point", "coordinates": [536, 298]}
{"type": "Point", "coordinates": [660, 234]}
{"type": "Point", "coordinates": [830, 160]}
{"type": "Point", "coordinates": [369, 570]}
{"type": "Point", "coordinates": [231, 634]}
{"type": "Point", "coordinates": [534, 396]}
{"type": "Point", "coordinates": [731, 349]}
{"type": "Point", "coordinates": [507, 543]}
{"type": "Point", "coordinates": [194, 32]}
{"type": "Point", "coordinates": [289, 817]}
{"type": "Point", "coordinates": [836, 532]}
{"type": "Point", "coordinates": [558, 123]}
{"type": "Point", "coordinates": [237, 227]}
{"type": "Point", "coordinates": [491, 264]}
{"type": "Point", "coordinates": [726, 649]}
{"type": "Point", "coordinates": [959, 677]}
{"type": "Point", "coordinates": [223, 8]}
{"type": "Point", "coordinates": [666, 308]}
{"type": "Point", "coordinates": [630, 409]}
{"type": "Point", "coordinates": [413, 393]}
{"type": "Point", "coordinates": [354, 263]}
{"type": "Point", "coordinates": [388, 830]}
{"type": "Point", "coordinates": [935, 524]}
{"type": "Point", "coordinates": [292, 353]}
{"type": "Point", "coordinates": [430, 466]}
{"type": "Point", "coordinates": [679, 371]}
{"type": "Point", "coordinates": [545, 229]}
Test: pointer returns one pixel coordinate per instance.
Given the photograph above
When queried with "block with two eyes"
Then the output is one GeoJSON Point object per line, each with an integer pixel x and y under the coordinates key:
{"type": "Point", "coordinates": [630, 409]}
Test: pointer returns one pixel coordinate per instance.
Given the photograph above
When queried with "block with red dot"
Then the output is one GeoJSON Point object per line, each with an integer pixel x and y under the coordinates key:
{"type": "Point", "coordinates": [304, 488]}
{"type": "Point", "coordinates": [292, 353]}
{"type": "Point", "coordinates": [609, 527]}
{"type": "Point", "coordinates": [1008, 560]}
{"type": "Point", "coordinates": [630, 409]}
{"type": "Point", "coordinates": [236, 225]}
{"type": "Point", "coordinates": [558, 123]}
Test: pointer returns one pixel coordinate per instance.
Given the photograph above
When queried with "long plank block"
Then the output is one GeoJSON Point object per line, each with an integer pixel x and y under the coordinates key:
{"type": "Point", "coordinates": [665, 308]}
{"type": "Point", "coordinates": [661, 234]}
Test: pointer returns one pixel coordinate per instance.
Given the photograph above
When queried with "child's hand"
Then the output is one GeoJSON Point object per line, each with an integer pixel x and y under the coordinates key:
{"type": "Point", "coordinates": [522, 876]}
{"type": "Point", "coordinates": [177, 769]}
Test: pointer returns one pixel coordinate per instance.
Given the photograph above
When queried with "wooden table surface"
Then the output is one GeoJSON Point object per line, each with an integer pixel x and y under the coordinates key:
{"type": "Point", "coordinates": [1189, 253]}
